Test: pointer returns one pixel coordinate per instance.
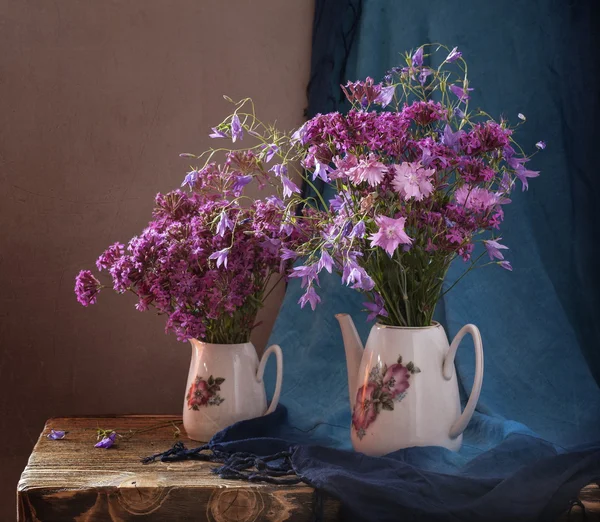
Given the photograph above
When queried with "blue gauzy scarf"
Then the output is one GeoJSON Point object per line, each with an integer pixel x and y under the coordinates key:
{"type": "Point", "coordinates": [521, 479]}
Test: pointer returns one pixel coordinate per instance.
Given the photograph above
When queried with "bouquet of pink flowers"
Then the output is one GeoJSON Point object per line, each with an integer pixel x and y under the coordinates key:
{"type": "Point", "coordinates": [415, 180]}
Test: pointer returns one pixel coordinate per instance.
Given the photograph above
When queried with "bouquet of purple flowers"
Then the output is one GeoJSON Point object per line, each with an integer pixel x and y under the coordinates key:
{"type": "Point", "coordinates": [207, 258]}
{"type": "Point", "coordinates": [416, 180]}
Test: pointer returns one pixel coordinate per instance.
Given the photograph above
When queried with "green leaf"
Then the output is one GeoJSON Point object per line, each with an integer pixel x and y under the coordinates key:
{"type": "Point", "coordinates": [219, 380]}
{"type": "Point", "coordinates": [388, 405]}
{"type": "Point", "coordinates": [416, 369]}
{"type": "Point", "coordinates": [410, 367]}
{"type": "Point", "coordinates": [211, 381]}
{"type": "Point", "coordinates": [378, 407]}
{"type": "Point", "coordinates": [399, 359]}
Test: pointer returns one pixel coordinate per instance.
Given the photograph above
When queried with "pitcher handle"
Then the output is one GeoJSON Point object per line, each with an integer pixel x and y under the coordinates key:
{"type": "Point", "coordinates": [461, 423]}
{"type": "Point", "coordinates": [261, 370]}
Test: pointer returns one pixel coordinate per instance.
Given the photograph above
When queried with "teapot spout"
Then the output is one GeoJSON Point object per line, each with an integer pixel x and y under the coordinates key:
{"type": "Point", "coordinates": [354, 351]}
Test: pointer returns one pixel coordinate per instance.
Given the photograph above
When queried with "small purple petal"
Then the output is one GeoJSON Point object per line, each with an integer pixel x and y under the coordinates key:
{"type": "Point", "coordinates": [461, 94]}
{"type": "Point", "coordinates": [385, 97]}
{"type": "Point", "coordinates": [279, 170]}
{"type": "Point", "coordinates": [541, 145]}
{"type": "Point", "coordinates": [326, 261]}
{"type": "Point", "coordinates": [289, 187]}
{"type": "Point", "coordinates": [309, 297]}
{"type": "Point", "coordinates": [220, 256]}
{"type": "Point", "coordinates": [237, 132]}
{"type": "Point", "coordinates": [417, 58]}
{"type": "Point", "coordinates": [240, 182]}
{"type": "Point", "coordinates": [216, 133]}
{"type": "Point", "coordinates": [107, 442]}
{"type": "Point", "coordinates": [271, 151]}
{"type": "Point", "coordinates": [454, 55]}
{"type": "Point", "coordinates": [56, 434]}
{"type": "Point", "coordinates": [506, 265]}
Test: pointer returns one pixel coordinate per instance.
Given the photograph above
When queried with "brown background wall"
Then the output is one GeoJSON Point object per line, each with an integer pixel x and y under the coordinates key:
{"type": "Point", "coordinates": [97, 99]}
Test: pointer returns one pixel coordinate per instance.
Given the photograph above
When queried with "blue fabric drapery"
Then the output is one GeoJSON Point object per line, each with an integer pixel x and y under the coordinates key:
{"type": "Point", "coordinates": [539, 323]}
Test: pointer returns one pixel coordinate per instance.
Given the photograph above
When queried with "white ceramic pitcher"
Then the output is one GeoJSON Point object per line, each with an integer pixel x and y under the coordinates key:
{"type": "Point", "coordinates": [225, 385]}
{"type": "Point", "coordinates": [403, 387]}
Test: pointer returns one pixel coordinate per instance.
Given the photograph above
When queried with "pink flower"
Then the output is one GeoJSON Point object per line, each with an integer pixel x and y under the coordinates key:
{"type": "Point", "coordinates": [476, 198]}
{"type": "Point", "coordinates": [370, 170]}
{"type": "Point", "coordinates": [364, 412]}
{"type": "Point", "coordinates": [396, 379]}
{"type": "Point", "coordinates": [343, 166]}
{"type": "Point", "coordinates": [391, 234]}
{"type": "Point", "coordinates": [411, 180]}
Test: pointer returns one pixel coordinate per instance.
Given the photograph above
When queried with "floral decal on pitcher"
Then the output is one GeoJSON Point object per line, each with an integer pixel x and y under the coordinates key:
{"type": "Point", "coordinates": [205, 393]}
{"type": "Point", "coordinates": [385, 386]}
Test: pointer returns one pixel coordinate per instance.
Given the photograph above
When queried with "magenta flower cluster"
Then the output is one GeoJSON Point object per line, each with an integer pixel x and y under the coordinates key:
{"type": "Point", "coordinates": [204, 261]}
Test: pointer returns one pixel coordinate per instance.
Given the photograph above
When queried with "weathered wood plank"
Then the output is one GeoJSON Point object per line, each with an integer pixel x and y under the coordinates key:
{"type": "Point", "coordinates": [70, 480]}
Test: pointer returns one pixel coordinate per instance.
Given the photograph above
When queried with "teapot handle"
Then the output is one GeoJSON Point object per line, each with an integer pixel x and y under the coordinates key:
{"type": "Point", "coordinates": [261, 370]}
{"type": "Point", "coordinates": [448, 368]}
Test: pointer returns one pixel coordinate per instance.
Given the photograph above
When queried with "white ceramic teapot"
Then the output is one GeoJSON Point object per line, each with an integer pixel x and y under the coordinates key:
{"type": "Point", "coordinates": [225, 385]}
{"type": "Point", "coordinates": [403, 387]}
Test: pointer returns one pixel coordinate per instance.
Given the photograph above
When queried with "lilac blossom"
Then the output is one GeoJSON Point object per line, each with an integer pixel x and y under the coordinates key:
{"type": "Point", "coordinates": [386, 95]}
{"type": "Point", "coordinates": [271, 150]}
{"type": "Point", "coordinates": [191, 179]}
{"type": "Point", "coordinates": [237, 131]}
{"type": "Point", "coordinates": [454, 55]}
{"type": "Point", "coordinates": [375, 308]}
{"type": "Point", "coordinates": [216, 133]}
{"type": "Point", "coordinates": [461, 93]}
{"type": "Point", "coordinates": [417, 58]}
{"type": "Point", "coordinates": [289, 187]}
{"type": "Point", "coordinates": [424, 74]}
{"type": "Point", "coordinates": [306, 273]}
{"type": "Point", "coordinates": [309, 297]}
{"type": "Point", "coordinates": [321, 171]}
{"type": "Point", "coordinates": [359, 230]}
{"type": "Point", "coordinates": [493, 248]}
{"type": "Point", "coordinates": [541, 145]}
{"type": "Point", "coordinates": [57, 434]}
{"type": "Point", "coordinates": [240, 182]}
{"type": "Point", "coordinates": [279, 170]}
{"type": "Point", "coordinates": [107, 442]}
{"type": "Point", "coordinates": [220, 256]}
{"type": "Point", "coordinates": [326, 261]}
{"type": "Point", "coordinates": [506, 265]}
{"type": "Point", "coordinates": [224, 224]}
{"type": "Point", "coordinates": [523, 174]}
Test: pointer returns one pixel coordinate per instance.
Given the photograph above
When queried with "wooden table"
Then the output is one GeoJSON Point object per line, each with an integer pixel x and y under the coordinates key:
{"type": "Point", "coordinates": [71, 480]}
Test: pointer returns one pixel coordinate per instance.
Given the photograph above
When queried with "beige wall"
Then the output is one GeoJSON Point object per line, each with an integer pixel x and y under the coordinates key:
{"type": "Point", "coordinates": [97, 99]}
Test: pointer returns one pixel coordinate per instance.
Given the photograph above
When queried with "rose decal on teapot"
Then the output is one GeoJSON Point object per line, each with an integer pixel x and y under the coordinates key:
{"type": "Point", "coordinates": [386, 385]}
{"type": "Point", "coordinates": [205, 392]}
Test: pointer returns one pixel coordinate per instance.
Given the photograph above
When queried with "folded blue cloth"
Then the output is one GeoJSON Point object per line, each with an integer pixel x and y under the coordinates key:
{"type": "Point", "coordinates": [521, 479]}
